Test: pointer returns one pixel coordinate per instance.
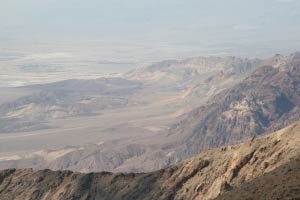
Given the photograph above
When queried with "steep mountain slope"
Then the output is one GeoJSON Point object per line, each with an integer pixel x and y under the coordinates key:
{"type": "Point", "coordinates": [282, 183]}
{"type": "Point", "coordinates": [205, 176]}
{"type": "Point", "coordinates": [267, 100]}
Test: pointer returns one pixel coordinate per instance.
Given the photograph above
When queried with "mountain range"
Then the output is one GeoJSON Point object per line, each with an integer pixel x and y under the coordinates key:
{"type": "Point", "coordinates": [155, 96]}
{"type": "Point", "coordinates": [264, 167]}
{"type": "Point", "coordinates": [267, 100]}
{"type": "Point", "coordinates": [225, 101]}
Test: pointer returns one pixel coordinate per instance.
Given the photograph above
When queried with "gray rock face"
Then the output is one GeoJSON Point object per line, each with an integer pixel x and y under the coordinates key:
{"type": "Point", "coordinates": [267, 100]}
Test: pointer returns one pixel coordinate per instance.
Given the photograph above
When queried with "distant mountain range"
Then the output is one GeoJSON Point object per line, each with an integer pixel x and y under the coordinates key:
{"type": "Point", "coordinates": [178, 83]}
{"type": "Point", "coordinates": [199, 78]}
{"type": "Point", "coordinates": [170, 88]}
{"type": "Point", "coordinates": [261, 168]}
{"type": "Point", "coordinates": [229, 99]}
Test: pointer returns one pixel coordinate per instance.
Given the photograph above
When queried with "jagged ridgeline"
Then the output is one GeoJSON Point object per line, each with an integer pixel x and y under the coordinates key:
{"type": "Point", "coordinates": [266, 167]}
{"type": "Point", "coordinates": [267, 100]}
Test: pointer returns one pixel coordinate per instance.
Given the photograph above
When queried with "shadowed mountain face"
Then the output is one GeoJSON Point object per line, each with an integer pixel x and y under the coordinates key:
{"type": "Point", "coordinates": [240, 168]}
{"type": "Point", "coordinates": [267, 100]}
{"type": "Point", "coordinates": [282, 183]}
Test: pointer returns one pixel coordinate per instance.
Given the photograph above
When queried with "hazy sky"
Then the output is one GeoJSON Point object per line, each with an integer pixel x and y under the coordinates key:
{"type": "Point", "coordinates": [235, 26]}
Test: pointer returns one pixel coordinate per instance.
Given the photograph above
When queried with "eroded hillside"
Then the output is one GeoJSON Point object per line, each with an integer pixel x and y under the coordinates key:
{"type": "Point", "coordinates": [269, 99]}
{"type": "Point", "coordinates": [204, 176]}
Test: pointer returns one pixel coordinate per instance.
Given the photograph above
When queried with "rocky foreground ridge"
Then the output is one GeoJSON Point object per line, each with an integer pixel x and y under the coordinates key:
{"type": "Point", "coordinates": [264, 167]}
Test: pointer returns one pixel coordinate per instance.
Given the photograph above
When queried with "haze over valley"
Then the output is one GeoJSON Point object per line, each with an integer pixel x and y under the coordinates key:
{"type": "Point", "coordinates": [147, 118]}
{"type": "Point", "coordinates": [149, 100]}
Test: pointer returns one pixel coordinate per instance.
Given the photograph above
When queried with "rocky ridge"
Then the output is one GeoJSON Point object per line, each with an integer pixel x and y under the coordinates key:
{"type": "Point", "coordinates": [206, 176]}
{"type": "Point", "coordinates": [268, 100]}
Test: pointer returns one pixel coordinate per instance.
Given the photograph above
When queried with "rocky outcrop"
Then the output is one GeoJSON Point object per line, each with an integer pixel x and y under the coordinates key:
{"type": "Point", "coordinates": [266, 101]}
{"type": "Point", "coordinates": [208, 175]}
{"type": "Point", "coordinates": [282, 183]}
